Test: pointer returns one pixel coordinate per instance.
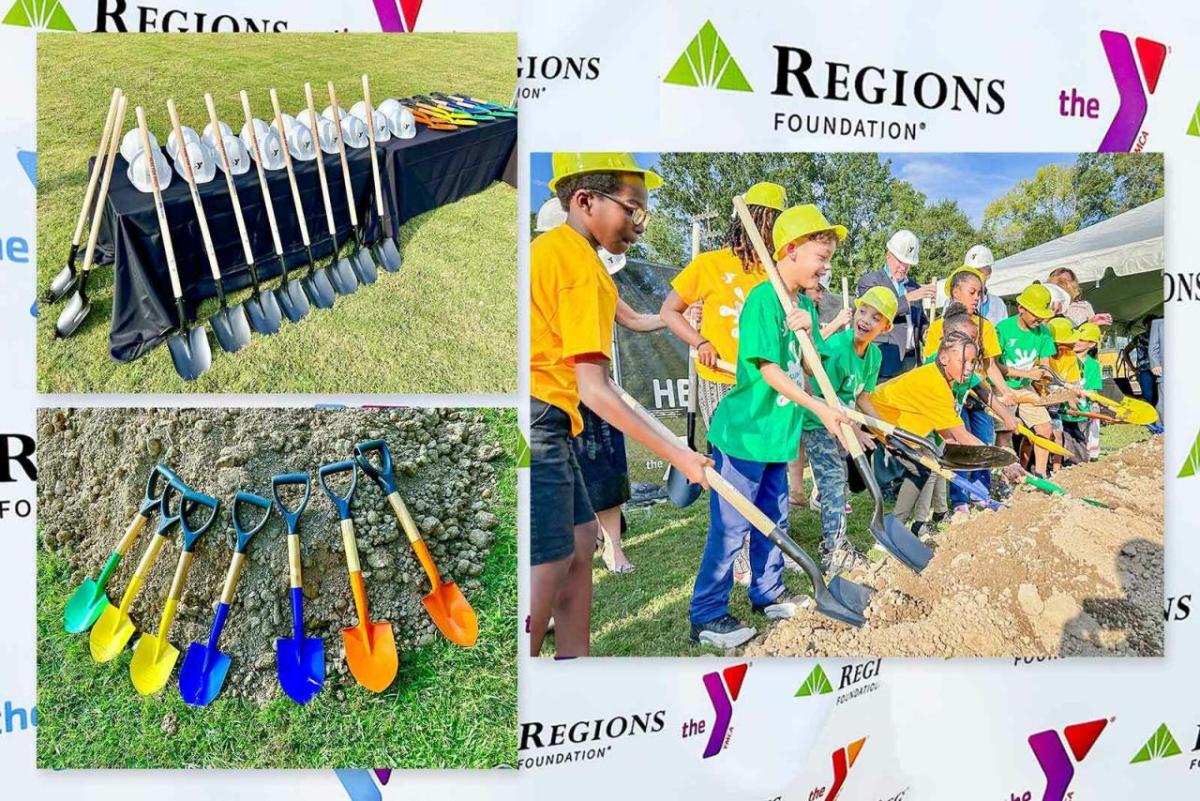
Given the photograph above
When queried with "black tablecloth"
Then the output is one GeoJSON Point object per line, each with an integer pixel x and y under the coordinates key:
{"type": "Point", "coordinates": [419, 174]}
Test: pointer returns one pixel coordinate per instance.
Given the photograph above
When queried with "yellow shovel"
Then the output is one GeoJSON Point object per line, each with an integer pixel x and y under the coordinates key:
{"type": "Point", "coordinates": [154, 657]}
{"type": "Point", "coordinates": [1041, 442]}
{"type": "Point", "coordinates": [1130, 410]}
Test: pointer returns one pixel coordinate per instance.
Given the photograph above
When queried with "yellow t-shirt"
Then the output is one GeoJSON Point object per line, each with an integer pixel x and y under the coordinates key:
{"type": "Point", "coordinates": [572, 309]}
{"type": "Point", "coordinates": [716, 278]}
{"type": "Point", "coordinates": [1067, 366]}
{"type": "Point", "coordinates": [919, 401]}
{"type": "Point", "coordinates": [987, 333]}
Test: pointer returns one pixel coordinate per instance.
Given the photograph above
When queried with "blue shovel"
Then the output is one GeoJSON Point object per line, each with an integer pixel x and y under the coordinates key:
{"type": "Point", "coordinates": [204, 667]}
{"type": "Point", "coordinates": [300, 660]}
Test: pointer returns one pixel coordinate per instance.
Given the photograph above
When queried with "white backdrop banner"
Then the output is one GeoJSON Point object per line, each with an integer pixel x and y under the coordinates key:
{"type": "Point", "coordinates": [624, 75]}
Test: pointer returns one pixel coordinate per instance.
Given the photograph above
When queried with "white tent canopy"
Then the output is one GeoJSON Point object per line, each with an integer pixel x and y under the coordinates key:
{"type": "Point", "coordinates": [1126, 245]}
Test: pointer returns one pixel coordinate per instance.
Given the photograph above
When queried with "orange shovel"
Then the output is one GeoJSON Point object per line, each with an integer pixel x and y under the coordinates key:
{"type": "Point", "coordinates": [370, 647]}
{"type": "Point", "coordinates": [445, 603]}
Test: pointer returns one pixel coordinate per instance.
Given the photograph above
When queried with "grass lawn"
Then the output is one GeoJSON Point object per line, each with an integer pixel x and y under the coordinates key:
{"type": "Point", "coordinates": [449, 707]}
{"type": "Point", "coordinates": [645, 613]}
{"type": "Point", "coordinates": [446, 323]}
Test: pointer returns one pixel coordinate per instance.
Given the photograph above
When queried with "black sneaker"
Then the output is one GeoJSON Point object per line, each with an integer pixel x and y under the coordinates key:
{"type": "Point", "coordinates": [725, 632]}
{"type": "Point", "coordinates": [783, 607]}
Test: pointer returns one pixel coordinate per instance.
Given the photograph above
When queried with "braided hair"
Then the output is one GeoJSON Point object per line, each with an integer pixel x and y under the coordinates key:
{"type": "Point", "coordinates": [739, 240]}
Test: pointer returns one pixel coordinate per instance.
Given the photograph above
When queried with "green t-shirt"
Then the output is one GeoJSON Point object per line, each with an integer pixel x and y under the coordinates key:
{"type": "Point", "coordinates": [754, 421]}
{"type": "Point", "coordinates": [849, 373]}
{"type": "Point", "coordinates": [1093, 380]}
{"type": "Point", "coordinates": [1022, 349]}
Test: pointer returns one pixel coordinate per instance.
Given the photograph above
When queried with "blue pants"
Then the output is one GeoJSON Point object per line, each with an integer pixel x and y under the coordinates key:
{"type": "Point", "coordinates": [979, 423]}
{"type": "Point", "coordinates": [766, 486]}
{"type": "Point", "coordinates": [829, 472]}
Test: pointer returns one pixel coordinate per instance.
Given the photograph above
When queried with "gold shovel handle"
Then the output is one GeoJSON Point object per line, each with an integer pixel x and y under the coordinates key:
{"type": "Point", "coordinates": [414, 539]}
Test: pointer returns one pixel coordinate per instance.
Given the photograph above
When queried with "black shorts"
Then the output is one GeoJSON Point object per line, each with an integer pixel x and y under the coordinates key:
{"type": "Point", "coordinates": [600, 452]}
{"type": "Point", "coordinates": [558, 498]}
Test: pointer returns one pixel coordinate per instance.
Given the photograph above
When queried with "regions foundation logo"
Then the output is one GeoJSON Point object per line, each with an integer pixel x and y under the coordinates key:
{"type": "Point", "coordinates": [1193, 128]}
{"type": "Point", "coordinates": [817, 683]}
{"type": "Point", "coordinates": [397, 16]}
{"type": "Point", "coordinates": [707, 62]}
{"type": "Point", "coordinates": [361, 785]}
{"type": "Point", "coordinates": [1160, 746]}
{"type": "Point", "coordinates": [723, 690]}
{"type": "Point", "coordinates": [42, 15]}
{"type": "Point", "coordinates": [1052, 756]}
{"type": "Point", "coordinates": [1191, 465]}
{"type": "Point", "coordinates": [843, 759]}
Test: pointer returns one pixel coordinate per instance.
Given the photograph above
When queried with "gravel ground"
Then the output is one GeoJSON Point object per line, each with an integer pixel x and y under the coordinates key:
{"type": "Point", "coordinates": [93, 465]}
{"type": "Point", "coordinates": [1047, 576]}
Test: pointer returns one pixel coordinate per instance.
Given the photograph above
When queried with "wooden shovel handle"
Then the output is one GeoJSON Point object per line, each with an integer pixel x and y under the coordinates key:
{"type": "Point", "coordinates": [337, 132]}
{"type": "Point", "coordinates": [143, 567]}
{"type": "Point", "coordinates": [231, 578]}
{"type": "Point", "coordinates": [350, 545]}
{"type": "Point", "coordinates": [98, 213]}
{"type": "Point", "coordinates": [181, 155]}
{"type": "Point", "coordinates": [415, 539]}
{"type": "Point", "coordinates": [132, 533]}
{"type": "Point", "coordinates": [366, 87]}
{"type": "Point", "coordinates": [175, 593]}
{"type": "Point", "coordinates": [287, 163]}
{"type": "Point", "coordinates": [262, 174]}
{"type": "Point", "coordinates": [97, 168]}
{"type": "Point", "coordinates": [219, 141]}
{"type": "Point", "coordinates": [295, 578]}
{"type": "Point", "coordinates": [315, 130]}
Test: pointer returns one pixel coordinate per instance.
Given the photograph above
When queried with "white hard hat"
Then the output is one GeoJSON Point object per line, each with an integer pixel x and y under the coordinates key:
{"type": "Point", "coordinates": [189, 135]}
{"type": "Point", "coordinates": [399, 119]}
{"type": "Point", "coordinates": [300, 142]}
{"type": "Point", "coordinates": [1058, 295]}
{"type": "Point", "coordinates": [289, 122]}
{"type": "Point", "coordinates": [203, 160]}
{"type": "Point", "coordinates": [905, 246]}
{"type": "Point", "coordinates": [612, 262]}
{"type": "Point", "coordinates": [354, 132]}
{"type": "Point", "coordinates": [325, 132]}
{"type": "Point", "coordinates": [359, 110]}
{"type": "Point", "coordinates": [979, 257]}
{"type": "Point", "coordinates": [328, 113]}
{"type": "Point", "coordinates": [269, 144]}
{"type": "Point", "coordinates": [138, 171]}
{"type": "Point", "coordinates": [208, 135]}
{"type": "Point", "coordinates": [550, 215]}
{"type": "Point", "coordinates": [131, 144]}
{"type": "Point", "coordinates": [235, 151]}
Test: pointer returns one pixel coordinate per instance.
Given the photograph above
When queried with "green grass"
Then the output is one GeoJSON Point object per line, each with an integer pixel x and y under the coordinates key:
{"type": "Point", "coordinates": [446, 323]}
{"type": "Point", "coordinates": [449, 707]}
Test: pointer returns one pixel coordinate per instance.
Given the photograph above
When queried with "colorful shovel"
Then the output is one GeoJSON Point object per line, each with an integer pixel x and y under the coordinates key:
{"type": "Point", "coordinates": [1022, 429]}
{"type": "Point", "coordinates": [154, 657]}
{"type": "Point", "coordinates": [113, 628]}
{"type": "Point", "coordinates": [1054, 489]}
{"type": "Point", "coordinates": [204, 667]}
{"type": "Point", "coordinates": [370, 647]}
{"type": "Point", "coordinates": [445, 603]}
{"type": "Point", "coordinates": [88, 601]}
{"type": "Point", "coordinates": [300, 661]}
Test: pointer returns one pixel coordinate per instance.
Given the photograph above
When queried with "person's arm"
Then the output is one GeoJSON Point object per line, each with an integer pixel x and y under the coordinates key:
{"type": "Point", "coordinates": [599, 394]}
{"type": "Point", "coordinates": [636, 321]}
{"type": "Point", "coordinates": [779, 381]}
{"type": "Point", "coordinates": [959, 435]}
{"type": "Point", "coordinates": [996, 378]}
{"type": "Point", "coordinates": [837, 323]}
{"type": "Point", "coordinates": [672, 316]}
{"type": "Point", "coordinates": [1156, 347]}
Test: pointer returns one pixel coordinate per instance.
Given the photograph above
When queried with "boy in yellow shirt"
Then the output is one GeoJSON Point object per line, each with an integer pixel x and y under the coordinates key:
{"type": "Point", "coordinates": [573, 304]}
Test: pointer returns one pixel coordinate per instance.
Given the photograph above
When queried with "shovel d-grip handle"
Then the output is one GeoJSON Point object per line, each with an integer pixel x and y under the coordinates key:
{"type": "Point", "coordinates": [291, 517]}
{"type": "Point", "coordinates": [192, 499]}
{"type": "Point", "coordinates": [244, 534]}
{"type": "Point", "coordinates": [340, 502]}
{"type": "Point", "coordinates": [382, 475]}
{"type": "Point", "coordinates": [415, 540]}
{"type": "Point", "coordinates": [155, 487]}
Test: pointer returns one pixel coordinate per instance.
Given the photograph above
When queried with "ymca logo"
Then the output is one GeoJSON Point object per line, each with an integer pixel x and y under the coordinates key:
{"type": "Point", "coordinates": [41, 15]}
{"type": "Point", "coordinates": [1126, 126]}
{"type": "Point", "coordinates": [723, 689]}
{"type": "Point", "coordinates": [707, 62]}
{"type": "Point", "coordinates": [843, 760]}
{"type": "Point", "coordinates": [360, 785]}
{"type": "Point", "coordinates": [1052, 757]}
{"type": "Point", "coordinates": [397, 16]}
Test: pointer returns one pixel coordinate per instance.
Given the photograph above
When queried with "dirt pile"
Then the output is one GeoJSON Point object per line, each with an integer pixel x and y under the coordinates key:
{"type": "Point", "coordinates": [93, 466]}
{"type": "Point", "coordinates": [1047, 576]}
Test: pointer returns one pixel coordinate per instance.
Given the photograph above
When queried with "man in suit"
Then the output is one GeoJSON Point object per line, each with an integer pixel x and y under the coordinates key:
{"type": "Point", "coordinates": [900, 346]}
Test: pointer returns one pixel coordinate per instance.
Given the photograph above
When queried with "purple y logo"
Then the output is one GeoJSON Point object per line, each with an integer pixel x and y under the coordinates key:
{"type": "Point", "coordinates": [1052, 756]}
{"type": "Point", "coordinates": [1127, 122]}
{"type": "Point", "coordinates": [359, 784]}
{"type": "Point", "coordinates": [723, 689]}
{"type": "Point", "coordinates": [397, 16]}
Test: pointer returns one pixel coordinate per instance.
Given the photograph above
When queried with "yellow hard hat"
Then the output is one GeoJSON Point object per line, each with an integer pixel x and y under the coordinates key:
{"type": "Point", "coordinates": [568, 164]}
{"type": "Point", "coordinates": [765, 193]}
{"type": "Point", "coordinates": [1063, 331]}
{"type": "Point", "coordinates": [1089, 332]}
{"type": "Point", "coordinates": [1035, 299]}
{"type": "Point", "coordinates": [975, 271]}
{"type": "Point", "coordinates": [882, 300]}
{"type": "Point", "coordinates": [801, 221]}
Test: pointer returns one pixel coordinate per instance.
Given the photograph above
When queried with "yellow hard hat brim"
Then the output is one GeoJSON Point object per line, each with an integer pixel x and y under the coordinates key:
{"type": "Point", "coordinates": [839, 231]}
{"type": "Point", "coordinates": [652, 179]}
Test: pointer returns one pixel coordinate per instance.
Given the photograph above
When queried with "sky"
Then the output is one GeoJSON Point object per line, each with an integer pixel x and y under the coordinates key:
{"type": "Point", "coordinates": [972, 179]}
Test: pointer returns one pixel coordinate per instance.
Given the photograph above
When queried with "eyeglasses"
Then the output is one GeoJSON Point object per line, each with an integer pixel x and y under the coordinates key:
{"type": "Point", "coordinates": [637, 214]}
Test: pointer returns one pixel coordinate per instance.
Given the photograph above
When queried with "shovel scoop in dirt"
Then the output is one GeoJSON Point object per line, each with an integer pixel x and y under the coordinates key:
{"type": "Point", "coordinates": [204, 666]}
{"type": "Point", "coordinates": [154, 657]}
{"type": "Point", "coordinates": [445, 603]}
{"type": "Point", "coordinates": [370, 647]}
{"type": "Point", "coordinates": [300, 660]}
{"type": "Point", "coordinates": [86, 604]}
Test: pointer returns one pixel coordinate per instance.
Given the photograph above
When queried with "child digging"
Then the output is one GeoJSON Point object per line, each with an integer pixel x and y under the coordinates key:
{"type": "Point", "coordinates": [1026, 346]}
{"type": "Point", "coordinates": [572, 309]}
{"type": "Point", "coordinates": [1090, 336]}
{"type": "Point", "coordinates": [756, 430]}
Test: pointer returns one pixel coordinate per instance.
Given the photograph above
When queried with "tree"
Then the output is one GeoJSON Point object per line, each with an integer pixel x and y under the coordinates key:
{"type": "Point", "coordinates": [1108, 184]}
{"type": "Point", "coordinates": [1034, 211]}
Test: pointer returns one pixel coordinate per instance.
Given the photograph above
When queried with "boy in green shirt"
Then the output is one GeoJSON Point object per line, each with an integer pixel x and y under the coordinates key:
{"type": "Point", "coordinates": [1026, 346]}
{"type": "Point", "coordinates": [756, 430]}
{"type": "Point", "coordinates": [852, 361]}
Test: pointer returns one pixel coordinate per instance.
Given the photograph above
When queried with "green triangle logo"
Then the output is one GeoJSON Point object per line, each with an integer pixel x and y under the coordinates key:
{"type": "Point", "coordinates": [1160, 746]}
{"type": "Point", "coordinates": [1194, 126]}
{"type": "Point", "coordinates": [707, 62]}
{"type": "Point", "coordinates": [522, 451]}
{"type": "Point", "coordinates": [817, 683]}
{"type": "Point", "coordinates": [43, 15]}
{"type": "Point", "coordinates": [1192, 465]}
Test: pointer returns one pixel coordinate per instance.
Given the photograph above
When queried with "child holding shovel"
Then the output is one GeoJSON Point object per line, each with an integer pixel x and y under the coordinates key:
{"type": "Point", "coordinates": [1026, 346]}
{"type": "Point", "coordinates": [573, 303]}
{"type": "Point", "coordinates": [1066, 364]}
{"type": "Point", "coordinates": [1093, 381]}
{"type": "Point", "coordinates": [852, 361]}
{"type": "Point", "coordinates": [756, 431]}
